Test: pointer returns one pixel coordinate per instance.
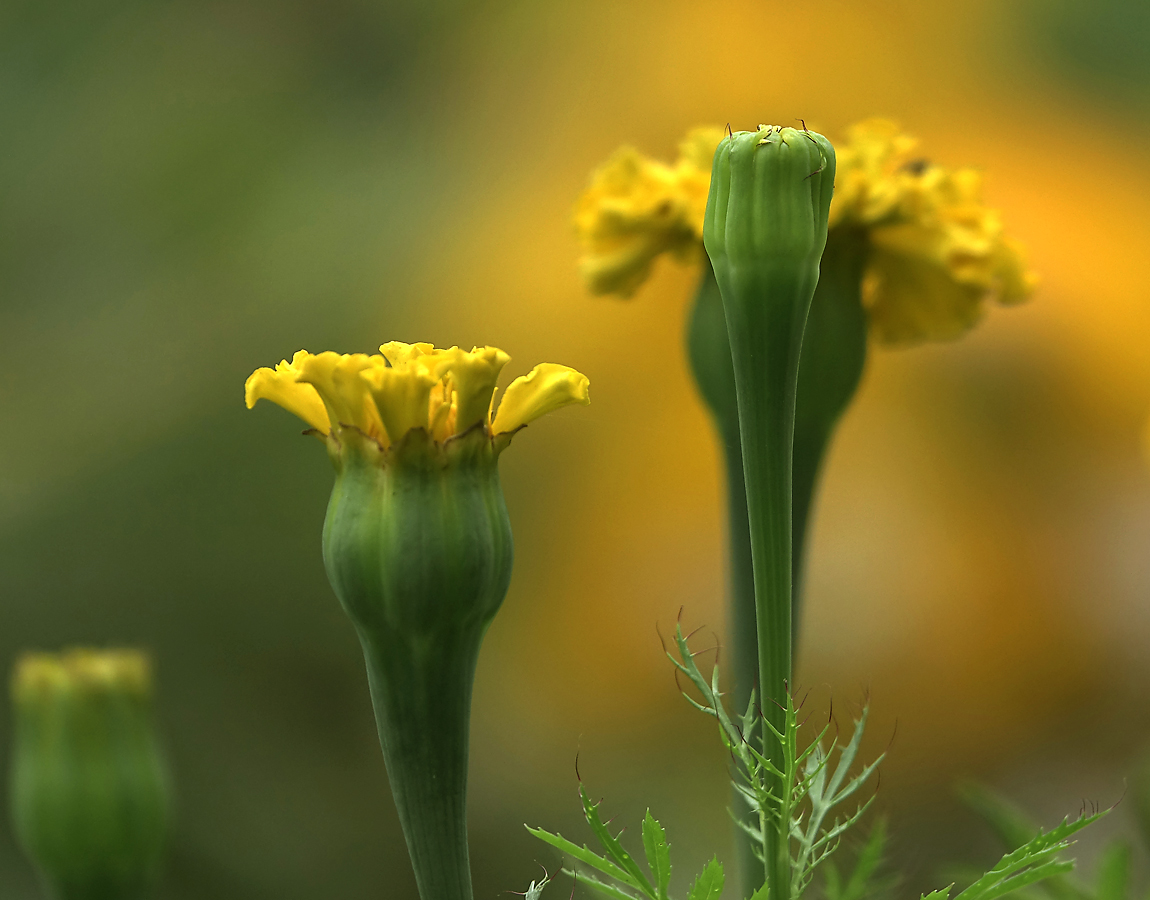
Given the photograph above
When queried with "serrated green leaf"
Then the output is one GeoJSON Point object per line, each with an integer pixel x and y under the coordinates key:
{"type": "Point", "coordinates": [1027, 877]}
{"type": "Point", "coordinates": [940, 894]}
{"type": "Point", "coordinates": [1032, 862]}
{"type": "Point", "coordinates": [1114, 872]}
{"type": "Point", "coordinates": [709, 884]}
{"type": "Point", "coordinates": [762, 893]}
{"type": "Point", "coordinates": [658, 854]}
{"type": "Point", "coordinates": [614, 849]}
{"type": "Point", "coordinates": [601, 887]}
{"type": "Point", "coordinates": [584, 854]}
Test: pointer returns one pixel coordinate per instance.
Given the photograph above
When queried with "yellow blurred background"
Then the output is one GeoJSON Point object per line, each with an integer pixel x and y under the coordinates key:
{"type": "Point", "coordinates": [189, 190]}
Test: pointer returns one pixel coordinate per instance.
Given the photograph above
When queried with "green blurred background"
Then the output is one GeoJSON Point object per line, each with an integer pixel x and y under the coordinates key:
{"type": "Point", "coordinates": [189, 190]}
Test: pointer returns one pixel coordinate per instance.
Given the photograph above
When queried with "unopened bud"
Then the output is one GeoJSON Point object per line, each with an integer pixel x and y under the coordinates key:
{"type": "Point", "coordinates": [89, 795]}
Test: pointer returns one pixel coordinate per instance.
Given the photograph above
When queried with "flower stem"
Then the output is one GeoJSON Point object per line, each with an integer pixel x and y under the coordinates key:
{"type": "Point", "coordinates": [422, 703]}
{"type": "Point", "coordinates": [766, 360]}
{"type": "Point", "coordinates": [709, 352]}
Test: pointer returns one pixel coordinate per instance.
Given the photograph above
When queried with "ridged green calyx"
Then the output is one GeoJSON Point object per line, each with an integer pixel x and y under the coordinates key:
{"type": "Point", "coordinates": [417, 546]}
{"type": "Point", "coordinates": [89, 793]}
{"type": "Point", "coordinates": [418, 549]}
{"type": "Point", "coordinates": [764, 231]}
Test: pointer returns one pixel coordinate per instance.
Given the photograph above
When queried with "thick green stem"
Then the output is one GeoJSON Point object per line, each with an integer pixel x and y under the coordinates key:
{"type": "Point", "coordinates": [830, 366]}
{"type": "Point", "coordinates": [766, 359]}
{"type": "Point", "coordinates": [422, 701]}
{"type": "Point", "coordinates": [709, 352]}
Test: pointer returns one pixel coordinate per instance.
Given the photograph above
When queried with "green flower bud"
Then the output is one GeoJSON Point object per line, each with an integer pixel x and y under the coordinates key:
{"type": "Point", "coordinates": [89, 794]}
{"type": "Point", "coordinates": [764, 231]}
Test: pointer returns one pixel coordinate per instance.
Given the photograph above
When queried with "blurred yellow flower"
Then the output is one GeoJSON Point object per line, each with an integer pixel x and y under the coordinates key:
{"type": "Point", "coordinates": [413, 386]}
{"type": "Point", "coordinates": [636, 209]}
{"type": "Point", "coordinates": [937, 254]}
{"type": "Point", "coordinates": [40, 675]}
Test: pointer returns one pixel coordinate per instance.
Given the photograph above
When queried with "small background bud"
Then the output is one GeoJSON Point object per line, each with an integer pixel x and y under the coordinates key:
{"type": "Point", "coordinates": [89, 795]}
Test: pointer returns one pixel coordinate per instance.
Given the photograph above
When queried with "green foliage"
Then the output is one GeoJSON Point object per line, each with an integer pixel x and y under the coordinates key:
{"type": "Point", "coordinates": [1016, 831]}
{"type": "Point", "coordinates": [709, 884]}
{"type": "Point", "coordinates": [813, 806]}
{"type": "Point", "coordinates": [1035, 861]}
{"type": "Point", "coordinates": [627, 879]}
{"type": "Point", "coordinates": [813, 787]}
{"type": "Point", "coordinates": [862, 881]}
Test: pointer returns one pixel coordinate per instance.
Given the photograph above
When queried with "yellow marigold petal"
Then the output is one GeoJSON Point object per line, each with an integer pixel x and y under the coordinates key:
{"type": "Point", "coordinates": [633, 210]}
{"type": "Point", "coordinates": [938, 252]}
{"type": "Point", "coordinates": [81, 670]}
{"type": "Point", "coordinates": [911, 295]}
{"type": "Point", "coordinates": [279, 385]}
{"type": "Point", "coordinates": [473, 378]}
{"type": "Point", "coordinates": [693, 170]}
{"type": "Point", "coordinates": [402, 395]}
{"type": "Point", "coordinates": [1014, 281]}
{"type": "Point", "coordinates": [336, 377]}
{"type": "Point", "coordinates": [397, 352]}
{"type": "Point", "coordinates": [441, 411]}
{"type": "Point", "coordinates": [547, 387]}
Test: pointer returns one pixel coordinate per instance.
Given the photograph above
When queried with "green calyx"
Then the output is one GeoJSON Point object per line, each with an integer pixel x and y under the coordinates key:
{"type": "Point", "coordinates": [89, 791]}
{"type": "Point", "coordinates": [417, 546]}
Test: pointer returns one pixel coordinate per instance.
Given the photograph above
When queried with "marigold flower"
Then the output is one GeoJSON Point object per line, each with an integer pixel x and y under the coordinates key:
{"type": "Point", "coordinates": [89, 794]}
{"type": "Point", "coordinates": [417, 546]}
{"type": "Point", "coordinates": [937, 254]}
{"type": "Point", "coordinates": [413, 386]}
{"type": "Point", "coordinates": [636, 209]}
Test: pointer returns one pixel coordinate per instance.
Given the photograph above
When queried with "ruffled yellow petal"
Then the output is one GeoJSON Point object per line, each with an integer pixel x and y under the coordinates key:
{"type": "Point", "coordinates": [402, 395]}
{"type": "Point", "coordinates": [441, 411]}
{"type": "Point", "coordinates": [633, 210]}
{"type": "Point", "coordinates": [939, 254]}
{"type": "Point", "coordinates": [336, 377]}
{"type": "Point", "coordinates": [473, 376]}
{"type": "Point", "coordinates": [279, 385]}
{"type": "Point", "coordinates": [910, 292]}
{"type": "Point", "coordinates": [547, 387]}
{"type": "Point", "coordinates": [397, 353]}
{"type": "Point", "coordinates": [81, 670]}
{"type": "Point", "coordinates": [446, 392]}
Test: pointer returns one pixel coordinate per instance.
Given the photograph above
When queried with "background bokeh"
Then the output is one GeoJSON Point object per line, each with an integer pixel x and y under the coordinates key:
{"type": "Point", "coordinates": [189, 190]}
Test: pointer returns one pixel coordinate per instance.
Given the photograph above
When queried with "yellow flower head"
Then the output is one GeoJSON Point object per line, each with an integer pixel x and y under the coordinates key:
{"type": "Point", "coordinates": [413, 386]}
{"type": "Point", "coordinates": [937, 254]}
{"type": "Point", "coordinates": [38, 676]}
{"type": "Point", "coordinates": [636, 208]}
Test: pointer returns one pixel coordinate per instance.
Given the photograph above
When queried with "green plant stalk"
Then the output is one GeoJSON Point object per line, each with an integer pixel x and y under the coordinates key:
{"type": "Point", "coordinates": [709, 352]}
{"type": "Point", "coordinates": [422, 704]}
{"type": "Point", "coordinates": [418, 550]}
{"type": "Point", "coordinates": [765, 230]}
{"type": "Point", "coordinates": [766, 375]}
{"type": "Point", "coordinates": [830, 366]}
